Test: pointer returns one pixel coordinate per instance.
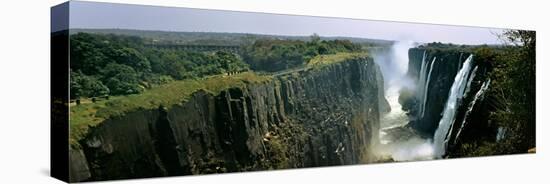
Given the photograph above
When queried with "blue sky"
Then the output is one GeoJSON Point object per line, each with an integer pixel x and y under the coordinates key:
{"type": "Point", "coordinates": [121, 16]}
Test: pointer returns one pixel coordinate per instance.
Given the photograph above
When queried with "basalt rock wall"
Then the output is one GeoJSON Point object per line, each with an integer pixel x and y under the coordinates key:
{"type": "Point", "coordinates": [321, 116]}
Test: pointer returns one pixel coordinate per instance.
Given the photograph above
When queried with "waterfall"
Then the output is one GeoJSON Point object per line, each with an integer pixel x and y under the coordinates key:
{"type": "Point", "coordinates": [425, 96]}
{"type": "Point", "coordinates": [396, 140]}
{"type": "Point", "coordinates": [459, 63]}
{"type": "Point", "coordinates": [466, 91]}
{"type": "Point", "coordinates": [394, 68]}
{"type": "Point", "coordinates": [477, 97]}
{"type": "Point", "coordinates": [453, 101]}
{"type": "Point", "coordinates": [501, 132]}
{"type": "Point", "coordinates": [471, 78]}
{"type": "Point", "coordinates": [421, 81]}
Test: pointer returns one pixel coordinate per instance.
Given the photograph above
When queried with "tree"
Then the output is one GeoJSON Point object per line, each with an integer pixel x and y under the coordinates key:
{"type": "Point", "coordinates": [229, 62]}
{"type": "Point", "coordinates": [121, 79]}
{"type": "Point", "coordinates": [523, 87]}
{"type": "Point", "coordinates": [132, 58]}
{"type": "Point", "coordinates": [86, 86]}
{"type": "Point", "coordinates": [75, 86]}
{"type": "Point", "coordinates": [315, 38]}
{"type": "Point", "coordinates": [513, 91]}
{"type": "Point", "coordinates": [275, 55]}
{"type": "Point", "coordinates": [175, 66]}
{"type": "Point", "coordinates": [85, 54]}
{"type": "Point", "coordinates": [322, 49]}
{"type": "Point", "coordinates": [521, 37]}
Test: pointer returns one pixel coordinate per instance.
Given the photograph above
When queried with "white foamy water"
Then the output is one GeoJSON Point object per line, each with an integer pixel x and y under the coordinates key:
{"type": "Point", "coordinates": [453, 102]}
{"type": "Point", "coordinates": [396, 117]}
{"type": "Point", "coordinates": [396, 141]}
{"type": "Point", "coordinates": [406, 147]}
{"type": "Point", "coordinates": [413, 149]}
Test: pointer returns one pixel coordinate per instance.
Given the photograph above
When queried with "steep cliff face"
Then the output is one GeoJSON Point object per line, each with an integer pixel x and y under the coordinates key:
{"type": "Point", "coordinates": [444, 66]}
{"type": "Point", "coordinates": [435, 79]}
{"type": "Point", "coordinates": [318, 117]}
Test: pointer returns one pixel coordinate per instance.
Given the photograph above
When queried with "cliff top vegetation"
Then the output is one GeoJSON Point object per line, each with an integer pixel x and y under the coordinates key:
{"type": "Point", "coordinates": [323, 60]}
{"type": "Point", "coordinates": [112, 75]}
{"type": "Point", "coordinates": [90, 114]}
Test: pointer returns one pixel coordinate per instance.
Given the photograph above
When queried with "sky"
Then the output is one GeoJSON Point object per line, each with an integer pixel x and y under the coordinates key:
{"type": "Point", "coordinates": [122, 16]}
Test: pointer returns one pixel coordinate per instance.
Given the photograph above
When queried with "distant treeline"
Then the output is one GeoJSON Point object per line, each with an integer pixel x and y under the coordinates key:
{"type": "Point", "coordinates": [275, 55]}
{"type": "Point", "coordinates": [120, 65]}
{"type": "Point", "coordinates": [109, 64]}
{"type": "Point", "coordinates": [218, 38]}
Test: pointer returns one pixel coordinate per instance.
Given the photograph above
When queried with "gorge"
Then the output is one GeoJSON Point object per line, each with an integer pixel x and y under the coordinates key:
{"type": "Point", "coordinates": [408, 102]}
{"type": "Point", "coordinates": [328, 115]}
{"type": "Point", "coordinates": [150, 91]}
{"type": "Point", "coordinates": [431, 100]}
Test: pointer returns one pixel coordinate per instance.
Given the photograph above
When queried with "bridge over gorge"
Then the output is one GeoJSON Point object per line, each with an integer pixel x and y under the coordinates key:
{"type": "Point", "coordinates": [198, 48]}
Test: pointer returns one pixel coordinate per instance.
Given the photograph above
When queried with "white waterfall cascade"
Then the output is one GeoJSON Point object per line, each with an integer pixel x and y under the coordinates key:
{"type": "Point", "coordinates": [479, 96]}
{"type": "Point", "coordinates": [421, 84]}
{"type": "Point", "coordinates": [501, 133]}
{"type": "Point", "coordinates": [394, 69]}
{"type": "Point", "coordinates": [426, 85]}
{"type": "Point", "coordinates": [472, 76]}
{"type": "Point", "coordinates": [466, 91]}
{"type": "Point", "coordinates": [460, 63]}
{"type": "Point", "coordinates": [396, 141]}
{"type": "Point", "coordinates": [449, 113]}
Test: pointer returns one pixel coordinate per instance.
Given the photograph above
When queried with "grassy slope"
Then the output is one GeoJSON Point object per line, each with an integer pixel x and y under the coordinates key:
{"type": "Point", "coordinates": [91, 114]}
{"type": "Point", "coordinates": [323, 60]}
{"type": "Point", "coordinates": [85, 115]}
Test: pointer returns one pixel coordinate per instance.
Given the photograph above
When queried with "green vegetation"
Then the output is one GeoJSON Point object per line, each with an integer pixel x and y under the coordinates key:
{"type": "Point", "coordinates": [137, 76]}
{"type": "Point", "coordinates": [176, 92]}
{"type": "Point", "coordinates": [122, 65]}
{"type": "Point", "coordinates": [83, 85]}
{"type": "Point", "coordinates": [275, 55]}
{"type": "Point", "coordinates": [107, 64]}
{"type": "Point", "coordinates": [213, 38]}
{"type": "Point", "coordinates": [322, 60]}
{"type": "Point", "coordinates": [511, 97]}
{"type": "Point", "coordinates": [85, 115]}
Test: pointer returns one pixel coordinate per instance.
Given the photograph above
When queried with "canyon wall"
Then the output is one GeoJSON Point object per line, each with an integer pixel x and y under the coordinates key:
{"type": "Point", "coordinates": [441, 65]}
{"type": "Point", "coordinates": [443, 71]}
{"type": "Point", "coordinates": [321, 116]}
